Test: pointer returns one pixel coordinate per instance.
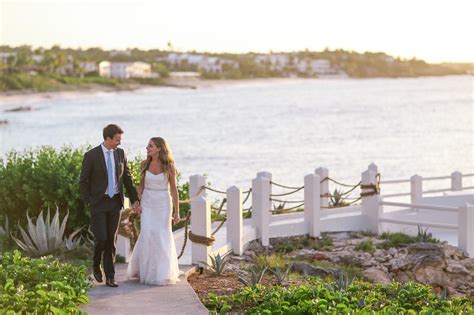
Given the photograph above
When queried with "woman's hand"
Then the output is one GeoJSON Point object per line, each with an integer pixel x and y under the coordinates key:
{"type": "Point", "coordinates": [176, 218]}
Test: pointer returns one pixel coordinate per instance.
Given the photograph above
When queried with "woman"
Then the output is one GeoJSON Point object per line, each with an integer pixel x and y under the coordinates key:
{"type": "Point", "coordinates": [154, 258]}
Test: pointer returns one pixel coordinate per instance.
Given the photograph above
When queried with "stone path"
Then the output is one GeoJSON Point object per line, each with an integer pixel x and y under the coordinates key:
{"type": "Point", "coordinates": [131, 297]}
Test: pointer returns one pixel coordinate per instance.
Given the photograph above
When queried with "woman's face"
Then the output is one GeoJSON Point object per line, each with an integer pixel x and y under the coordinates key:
{"type": "Point", "coordinates": [152, 149]}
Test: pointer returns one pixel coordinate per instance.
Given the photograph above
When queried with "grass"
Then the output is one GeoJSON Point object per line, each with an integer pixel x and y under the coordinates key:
{"type": "Point", "coordinates": [365, 246]}
{"type": "Point", "coordinates": [400, 239]}
{"type": "Point", "coordinates": [286, 245]}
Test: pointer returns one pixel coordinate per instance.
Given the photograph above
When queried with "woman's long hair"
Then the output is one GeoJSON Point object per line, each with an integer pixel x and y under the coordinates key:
{"type": "Point", "coordinates": [166, 157]}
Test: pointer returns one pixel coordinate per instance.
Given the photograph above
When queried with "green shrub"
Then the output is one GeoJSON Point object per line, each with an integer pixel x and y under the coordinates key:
{"type": "Point", "coordinates": [41, 286]}
{"type": "Point", "coordinates": [365, 246]}
{"type": "Point", "coordinates": [38, 179]}
{"type": "Point", "coordinates": [316, 296]}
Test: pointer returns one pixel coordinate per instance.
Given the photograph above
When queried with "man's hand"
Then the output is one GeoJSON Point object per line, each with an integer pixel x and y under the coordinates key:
{"type": "Point", "coordinates": [136, 207]}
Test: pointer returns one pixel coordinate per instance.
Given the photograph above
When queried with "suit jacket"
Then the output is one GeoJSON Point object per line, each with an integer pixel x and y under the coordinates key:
{"type": "Point", "coordinates": [93, 181]}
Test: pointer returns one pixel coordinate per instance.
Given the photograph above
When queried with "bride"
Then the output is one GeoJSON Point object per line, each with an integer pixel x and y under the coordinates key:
{"type": "Point", "coordinates": [154, 260]}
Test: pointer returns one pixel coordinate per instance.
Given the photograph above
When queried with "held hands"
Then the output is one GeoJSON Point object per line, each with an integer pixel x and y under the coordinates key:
{"type": "Point", "coordinates": [136, 207]}
{"type": "Point", "coordinates": [176, 218]}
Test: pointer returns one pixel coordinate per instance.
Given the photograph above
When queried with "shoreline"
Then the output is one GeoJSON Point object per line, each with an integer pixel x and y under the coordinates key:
{"type": "Point", "coordinates": [15, 97]}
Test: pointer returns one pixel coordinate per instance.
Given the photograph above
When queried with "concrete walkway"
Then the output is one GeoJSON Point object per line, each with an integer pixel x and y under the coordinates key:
{"type": "Point", "coordinates": [132, 297]}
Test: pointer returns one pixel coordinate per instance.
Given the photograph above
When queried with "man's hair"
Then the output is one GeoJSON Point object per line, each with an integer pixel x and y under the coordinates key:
{"type": "Point", "coordinates": [111, 130]}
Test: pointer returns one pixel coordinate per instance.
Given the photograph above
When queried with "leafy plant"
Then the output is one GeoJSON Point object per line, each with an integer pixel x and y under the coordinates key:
{"type": "Point", "coordinates": [218, 263]}
{"type": "Point", "coordinates": [41, 286]}
{"type": "Point", "coordinates": [256, 274]}
{"type": "Point", "coordinates": [337, 199]}
{"type": "Point", "coordinates": [365, 246]}
{"type": "Point", "coordinates": [424, 236]}
{"type": "Point", "coordinates": [45, 237]}
{"type": "Point", "coordinates": [280, 274]}
{"type": "Point", "coordinates": [359, 297]}
{"type": "Point", "coordinates": [270, 261]}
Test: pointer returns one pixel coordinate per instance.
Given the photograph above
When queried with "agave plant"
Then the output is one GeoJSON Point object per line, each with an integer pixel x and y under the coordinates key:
{"type": "Point", "coordinates": [5, 229]}
{"type": "Point", "coordinates": [280, 274]}
{"type": "Point", "coordinates": [218, 263]}
{"type": "Point", "coordinates": [342, 283]}
{"type": "Point", "coordinates": [45, 237]}
{"type": "Point", "coordinates": [255, 276]}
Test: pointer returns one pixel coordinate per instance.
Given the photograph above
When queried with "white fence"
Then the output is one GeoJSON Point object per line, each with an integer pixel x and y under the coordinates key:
{"type": "Point", "coordinates": [317, 216]}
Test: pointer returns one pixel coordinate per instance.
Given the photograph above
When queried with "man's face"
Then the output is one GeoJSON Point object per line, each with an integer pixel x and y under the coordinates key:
{"type": "Point", "coordinates": [114, 142]}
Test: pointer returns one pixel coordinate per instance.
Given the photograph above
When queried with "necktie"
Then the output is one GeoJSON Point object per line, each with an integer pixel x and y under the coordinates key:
{"type": "Point", "coordinates": [110, 176]}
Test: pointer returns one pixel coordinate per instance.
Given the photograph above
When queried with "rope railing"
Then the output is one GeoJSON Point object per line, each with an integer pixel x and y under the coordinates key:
{"type": "Point", "coordinates": [343, 205]}
{"type": "Point", "coordinates": [288, 193]}
{"type": "Point", "coordinates": [284, 186]}
{"type": "Point", "coordinates": [287, 209]}
{"type": "Point", "coordinates": [287, 201]}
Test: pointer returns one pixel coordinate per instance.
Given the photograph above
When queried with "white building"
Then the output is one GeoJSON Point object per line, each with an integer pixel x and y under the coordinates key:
{"type": "Point", "coordinates": [125, 70]}
{"type": "Point", "coordinates": [202, 62]}
{"type": "Point", "coordinates": [5, 55]}
{"type": "Point", "coordinates": [88, 66]}
{"type": "Point", "coordinates": [276, 62]}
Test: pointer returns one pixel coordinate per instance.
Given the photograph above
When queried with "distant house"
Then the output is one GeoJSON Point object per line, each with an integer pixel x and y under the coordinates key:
{"type": "Point", "coordinates": [200, 62]}
{"type": "Point", "coordinates": [88, 67]}
{"type": "Point", "coordinates": [276, 62]}
{"type": "Point", "coordinates": [37, 58]}
{"type": "Point", "coordinates": [4, 56]}
{"type": "Point", "coordinates": [318, 67]}
{"type": "Point", "coordinates": [125, 70]}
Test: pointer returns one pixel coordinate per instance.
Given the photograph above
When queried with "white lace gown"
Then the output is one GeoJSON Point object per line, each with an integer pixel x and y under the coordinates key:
{"type": "Point", "coordinates": [154, 260]}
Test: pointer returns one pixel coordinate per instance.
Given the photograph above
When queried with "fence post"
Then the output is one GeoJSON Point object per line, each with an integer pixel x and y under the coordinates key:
{"type": "Point", "coordinates": [466, 229]}
{"type": "Point", "coordinates": [371, 204]}
{"type": "Point", "coordinates": [261, 206]}
{"type": "Point", "coordinates": [323, 174]}
{"type": "Point", "coordinates": [312, 204]}
{"type": "Point", "coordinates": [234, 219]}
{"type": "Point", "coordinates": [416, 191]}
{"type": "Point", "coordinates": [200, 218]}
{"type": "Point", "coordinates": [456, 181]}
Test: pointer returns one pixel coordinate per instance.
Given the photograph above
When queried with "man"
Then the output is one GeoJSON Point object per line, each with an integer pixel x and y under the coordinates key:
{"type": "Point", "coordinates": [103, 175]}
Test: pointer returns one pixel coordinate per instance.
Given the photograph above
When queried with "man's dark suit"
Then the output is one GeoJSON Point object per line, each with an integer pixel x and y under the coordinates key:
{"type": "Point", "coordinates": [105, 211]}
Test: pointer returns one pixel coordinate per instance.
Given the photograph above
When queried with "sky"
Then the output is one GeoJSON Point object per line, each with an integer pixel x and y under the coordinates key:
{"type": "Point", "coordinates": [435, 31]}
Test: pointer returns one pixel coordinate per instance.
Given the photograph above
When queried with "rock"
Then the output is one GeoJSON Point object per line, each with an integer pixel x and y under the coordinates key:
{"type": "Point", "coordinates": [393, 251]}
{"type": "Point", "coordinates": [398, 264]}
{"type": "Point", "coordinates": [19, 109]}
{"type": "Point", "coordinates": [431, 275]}
{"type": "Point", "coordinates": [240, 258]}
{"type": "Point", "coordinates": [309, 270]}
{"type": "Point", "coordinates": [425, 248]}
{"type": "Point", "coordinates": [377, 276]}
{"type": "Point", "coordinates": [320, 256]}
{"type": "Point", "coordinates": [379, 254]}
{"type": "Point", "coordinates": [456, 267]}
{"type": "Point", "coordinates": [468, 263]}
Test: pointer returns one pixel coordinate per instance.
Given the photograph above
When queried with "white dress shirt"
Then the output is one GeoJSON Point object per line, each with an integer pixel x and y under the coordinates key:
{"type": "Point", "coordinates": [112, 157]}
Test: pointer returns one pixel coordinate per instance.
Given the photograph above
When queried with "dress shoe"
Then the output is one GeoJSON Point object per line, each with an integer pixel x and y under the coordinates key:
{"type": "Point", "coordinates": [111, 283]}
{"type": "Point", "coordinates": [98, 274]}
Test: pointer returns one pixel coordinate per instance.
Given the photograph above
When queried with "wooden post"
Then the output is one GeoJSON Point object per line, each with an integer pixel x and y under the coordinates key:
{"type": "Point", "coordinates": [323, 173]}
{"type": "Point", "coordinates": [235, 220]}
{"type": "Point", "coordinates": [371, 204]}
{"type": "Point", "coordinates": [466, 229]}
{"type": "Point", "coordinates": [200, 218]}
{"type": "Point", "coordinates": [456, 181]}
{"type": "Point", "coordinates": [312, 204]}
{"type": "Point", "coordinates": [261, 206]}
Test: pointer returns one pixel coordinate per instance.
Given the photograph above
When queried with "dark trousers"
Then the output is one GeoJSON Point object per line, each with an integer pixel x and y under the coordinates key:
{"type": "Point", "coordinates": [105, 218]}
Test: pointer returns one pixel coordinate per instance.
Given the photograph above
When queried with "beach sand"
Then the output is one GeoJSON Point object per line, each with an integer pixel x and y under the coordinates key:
{"type": "Point", "coordinates": [18, 97]}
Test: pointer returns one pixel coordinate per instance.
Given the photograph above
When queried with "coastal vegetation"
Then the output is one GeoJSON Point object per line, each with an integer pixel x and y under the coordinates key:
{"type": "Point", "coordinates": [56, 68]}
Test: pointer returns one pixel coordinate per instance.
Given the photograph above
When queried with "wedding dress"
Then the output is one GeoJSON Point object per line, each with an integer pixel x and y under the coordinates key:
{"type": "Point", "coordinates": [154, 260]}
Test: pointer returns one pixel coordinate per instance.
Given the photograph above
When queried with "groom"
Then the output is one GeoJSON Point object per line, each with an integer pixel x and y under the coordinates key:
{"type": "Point", "coordinates": [103, 175]}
